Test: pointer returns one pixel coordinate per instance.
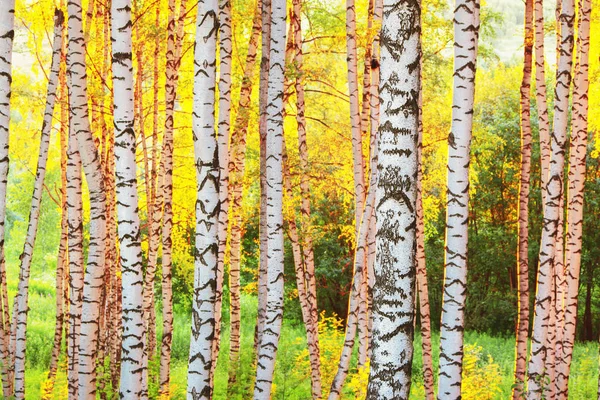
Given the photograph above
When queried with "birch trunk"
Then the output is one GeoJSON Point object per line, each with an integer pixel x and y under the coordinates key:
{"type": "Point", "coordinates": [267, 349]}
{"type": "Point", "coordinates": [22, 297]}
{"type": "Point", "coordinates": [62, 257]}
{"type": "Point", "coordinates": [466, 33]}
{"type": "Point", "coordinates": [541, 101]}
{"type": "Point", "coordinates": [206, 150]}
{"type": "Point", "coordinates": [94, 273]}
{"type": "Point", "coordinates": [523, 223]}
{"type": "Point", "coordinates": [75, 252]}
{"type": "Point", "coordinates": [554, 189]}
{"type": "Point", "coordinates": [422, 285]}
{"type": "Point", "coordinates": [7, 21]}
{"type": "Point", "coordinates": [577, 160]}
{"type": "Point", "coordinates": [165, 192]}
{"type": "Point", "coordinates": [133, 362]}
{"type": "Point", "coordinates": [355, 127]}
{"type": "Point", "coordinates": [236, 170]}
{"type": "Point", "coordinates": [395, 202]}
{"type": "Point", "coordinates": [262, 127]}
{"type": "Point", "coordinates": [224, 132]}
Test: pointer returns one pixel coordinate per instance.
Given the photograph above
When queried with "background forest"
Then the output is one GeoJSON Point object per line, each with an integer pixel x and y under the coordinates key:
{"type": "Point", "coordinates": [491, 311]}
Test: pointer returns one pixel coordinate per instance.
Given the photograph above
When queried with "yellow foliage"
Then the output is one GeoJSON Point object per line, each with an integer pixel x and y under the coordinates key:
{"type": "Point", "coordinates": [480, 380]}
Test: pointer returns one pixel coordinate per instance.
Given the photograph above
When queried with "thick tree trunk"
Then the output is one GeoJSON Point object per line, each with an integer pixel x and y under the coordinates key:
{"type": "Point", "coordinates": [133, 362]}
{"type": "Point", "coordinates": [262, 128]}
{"type": "Point", "coordinates": [165, 191]}
{"type": "Point", "coordinates": [554, 189]}
{"type": "Point", "coordinates": [21, 300]}
{"type": "Point", "coordinates": [206, 150]}
{"type": "Point", "coordinates": [236, 170]}
{"type": "Point", "coordinates": [267, 348]}
{"type": "Point", "coordinates": [7, 33]}
{"type": "Point", "coordinates": [577, 160]}
{"type": "Point", "coordinates": [523, 224]}
{"type": "Point", "coordinates": [395, 203]}
{"type": "Point", "coordinates": [466, 32]}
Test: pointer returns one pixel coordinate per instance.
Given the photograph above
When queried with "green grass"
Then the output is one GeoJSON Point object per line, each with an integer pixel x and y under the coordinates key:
{"type": "Point", "coordinates": [290, 382]}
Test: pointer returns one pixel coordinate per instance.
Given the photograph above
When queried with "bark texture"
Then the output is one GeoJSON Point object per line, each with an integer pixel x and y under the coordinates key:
{"type": "Point", "coordinates": [267, 348]}
{"type": "Point", "coordinates": [395, 201]}
{"type": "Point", "coordinates": [466, 33]}
{"type": "Point", "coordinates": [552, 207]}
{"type": "Point", "coordinates": [206, 150]}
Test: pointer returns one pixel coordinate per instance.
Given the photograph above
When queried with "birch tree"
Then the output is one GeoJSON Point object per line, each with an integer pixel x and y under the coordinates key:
{"type": "Point", "coordinates": [267, 349]}
{"type": "Point", "coordinates": [577, 168]}
{"type": "Point", "coordinates": [466, 33]}
{"type": "Point", "coordinates": [133, 367]}
{"type": "Point", "coordinates": [237, 166]}
{"type": "Point", "coordinates": [523, 252]}
{"type": "Point", "coordinates": [206, 151]}
{"type": "Point", "coordinates": [22, 298]}
{"type": "Point", "coordinates": [554, 193]}
{"type": "Point", "coordinates": [262, 129]}
{"type": "Point", "coordinates": [165, 190]}
{"type": "Point", "coordinates": [7, 33]}
{"type": "Point", "coordinates": [395, 201]}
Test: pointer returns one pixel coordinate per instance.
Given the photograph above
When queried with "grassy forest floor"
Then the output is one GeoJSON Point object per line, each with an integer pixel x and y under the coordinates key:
{"type": "Point", "coordinates": [488, 360]}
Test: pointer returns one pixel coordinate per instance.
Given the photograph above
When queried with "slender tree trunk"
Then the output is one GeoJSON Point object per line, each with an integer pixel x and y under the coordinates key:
{"type": "Point", "coordinates": [165, 192]}
{"type": "Point", "coordinates": [541, 101]}
{"type": "Point", "coordinates": [224, 132]}
{"type": "Point", "coordinates": [554, 188]}
{"type": "Point", "coordinates": [312, 321]}
{"type": "Point", "coordinates": [466, 32]}
{"type": "Point", "coordinates": [21, 299]}
{"type": "Point", "coordinates": [133, 367]}
{"type": "Point", "coordinates": [236, 169]}
{"type": "Point", "coordinates": [237, 166]}
{"type": "Point", "coordinates": [363, 308]}
{"type": "Point", "coordinates": [267, 349]}
{"type": "Point", "coordinates": [395, 204]}
{"type": "Point", "coordinates": [7, 21]}
{"type": "Point", "coordinates": [357, 157]}
{"type": "Point", "coordinates": [577, 160]}
{"type": "Point", "coordinates": [523, 225]}
{"type": "Point", "coordinates": [94, 273]}
{"type": "Point", "coordinates": [206, 150]}
{"type": "Point", "coordinates": [262, 128]}
{"type": "Point", "coordinates": [352, 319]}
{"type": "Point", "coordinates": [374, 118]}
{"type": "Point", "coordinates": [62, 257]}
{"type": "Point", "coordinates": [422, 285]}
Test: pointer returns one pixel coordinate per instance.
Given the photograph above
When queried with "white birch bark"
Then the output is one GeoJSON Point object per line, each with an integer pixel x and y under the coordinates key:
{"type": "Point", "coordinates": [94, 272]}
{"type": "Point", "coordinates": [21, 300]}
{"type": "Point", "coordinates": [206, 150]}
{"type": "Point", "coordinates": [577, 163]}
{"type": "Point", "coordinates": [133, 367]}
{"type": "Point", "coordinates": [466, 32]}
{"type": "Point", "coordinates": [7, 33]}
{"type": "Point", "coordinates": [554, 193]}
{"type": "Point", "coordinates": [395, 202]}
{"type": "Point", "coordinates": [267, 348]}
